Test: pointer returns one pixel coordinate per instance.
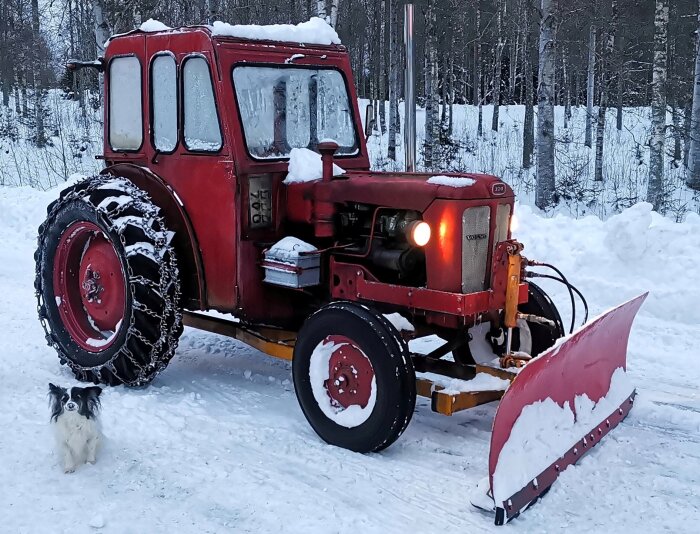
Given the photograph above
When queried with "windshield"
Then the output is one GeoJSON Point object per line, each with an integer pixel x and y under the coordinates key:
{"type": "Point", "coordinates": [284, 108]}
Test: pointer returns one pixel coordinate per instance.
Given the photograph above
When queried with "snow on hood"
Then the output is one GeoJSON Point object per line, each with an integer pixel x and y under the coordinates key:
{"type": "Point", "coordinates": [452, 181]}
{"type": "Point", "coordinates": [306, 166]}
{"type": "Point", "coordinates": [314, 31]}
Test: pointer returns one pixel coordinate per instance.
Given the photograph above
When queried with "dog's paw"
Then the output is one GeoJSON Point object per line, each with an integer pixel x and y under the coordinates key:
{"type": "Point", "coordinates": [91, 461]}
{"type": "Point", "coordinates": [67, 470]}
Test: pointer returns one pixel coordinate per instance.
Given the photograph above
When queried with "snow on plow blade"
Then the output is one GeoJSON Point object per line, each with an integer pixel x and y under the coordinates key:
{"type": "Point", "coordinates": [558, 407]}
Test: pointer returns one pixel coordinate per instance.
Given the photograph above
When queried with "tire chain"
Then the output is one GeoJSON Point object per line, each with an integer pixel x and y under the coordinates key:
{"type": "Point", "coordinates": [164, 347]}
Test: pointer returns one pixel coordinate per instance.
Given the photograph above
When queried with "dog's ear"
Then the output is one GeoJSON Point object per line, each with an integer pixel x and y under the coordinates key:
{"type": "Point", "coordinates": [55, 389]}
{"type": "Point", "coordinates": [93, 391]}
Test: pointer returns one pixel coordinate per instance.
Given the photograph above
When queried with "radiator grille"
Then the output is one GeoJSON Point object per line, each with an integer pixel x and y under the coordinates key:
{"type": "Point", "coordinates": [475, 243]}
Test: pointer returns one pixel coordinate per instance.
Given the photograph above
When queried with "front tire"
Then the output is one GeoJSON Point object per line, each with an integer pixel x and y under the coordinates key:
{"type": "Point", "coordinates": [353, 377]}
{"type": "Point", "coordinates": [107, 283]}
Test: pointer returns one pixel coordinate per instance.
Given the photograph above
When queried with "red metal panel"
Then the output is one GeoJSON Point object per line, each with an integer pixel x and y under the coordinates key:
{"type": "Point", "coordinates": [583, 364]}
{"type": "Point", "coordinates": [177, 220]}
{"type": "Point", "coordinates": [356, 283]}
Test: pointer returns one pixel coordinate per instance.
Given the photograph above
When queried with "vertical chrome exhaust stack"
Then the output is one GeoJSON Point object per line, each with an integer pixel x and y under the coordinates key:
{"type": "Point", "coordinates": [409, 131]}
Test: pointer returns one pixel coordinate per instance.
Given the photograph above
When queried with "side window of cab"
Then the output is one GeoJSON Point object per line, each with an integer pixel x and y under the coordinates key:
{"type": "Point", "coordinates": [164, 103]}
{"type": "Point", "coordinates": [201, 129]}
{"type": "Point", "coordinates": [125, 106]}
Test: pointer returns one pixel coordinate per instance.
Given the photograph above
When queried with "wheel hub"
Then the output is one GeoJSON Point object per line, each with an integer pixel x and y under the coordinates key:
{"type": "Point", "coordinates": [350, 374]}
{"type": "Point", "coordinates": [89, 285]}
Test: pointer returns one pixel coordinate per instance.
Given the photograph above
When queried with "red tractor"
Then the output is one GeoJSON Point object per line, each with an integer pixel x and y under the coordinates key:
{"type": "Point", "coordinates": [195, 211]}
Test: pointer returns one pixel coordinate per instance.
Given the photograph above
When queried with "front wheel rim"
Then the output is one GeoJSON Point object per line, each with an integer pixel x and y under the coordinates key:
{"type": "Point", "coordinates": [89, 286]}
{"type": "Point", "coordinates": [343, 381]}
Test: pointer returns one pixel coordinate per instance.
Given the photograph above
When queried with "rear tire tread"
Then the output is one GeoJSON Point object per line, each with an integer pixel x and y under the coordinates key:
{"type": "Point", "coordinates": [155, 320]}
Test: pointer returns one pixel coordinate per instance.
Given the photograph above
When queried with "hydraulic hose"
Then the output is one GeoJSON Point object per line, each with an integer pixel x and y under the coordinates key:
{"type": "Point", "coordinates": [572, 289]}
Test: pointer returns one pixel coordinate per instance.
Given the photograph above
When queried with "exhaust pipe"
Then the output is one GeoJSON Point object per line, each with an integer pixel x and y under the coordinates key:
{"type": "Point", "coordinates": [409, 131]}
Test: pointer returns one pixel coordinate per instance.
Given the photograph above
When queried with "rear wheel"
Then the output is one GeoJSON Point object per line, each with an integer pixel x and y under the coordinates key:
{"type": "Point", "coordinates": [353, 377]}
{"type": "Point", "coordinates": [107, 283]}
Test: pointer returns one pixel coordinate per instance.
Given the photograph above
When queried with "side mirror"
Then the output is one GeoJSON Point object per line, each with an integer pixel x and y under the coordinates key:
{"type": "Point", "coordinates": [369, 121]}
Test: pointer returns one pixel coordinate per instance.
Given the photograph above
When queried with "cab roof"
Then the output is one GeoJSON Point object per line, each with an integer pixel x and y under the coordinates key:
{"type": "Point", "coordinates": [315, 33]}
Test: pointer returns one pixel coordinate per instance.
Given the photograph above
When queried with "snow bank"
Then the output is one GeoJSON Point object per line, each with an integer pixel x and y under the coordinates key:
{"type": "Point", "coordinates": [152, 25]}
{"type": "Point", "coordinates": [452, 181]}
{"type": "Point", "coordinates": [637, 250]}
{"type": "Point", "coordinates": [306, 166]}
{"type": "Point", "coordinates": [314, 31]}
{"type": "Point", "coordinates": [544, 431]}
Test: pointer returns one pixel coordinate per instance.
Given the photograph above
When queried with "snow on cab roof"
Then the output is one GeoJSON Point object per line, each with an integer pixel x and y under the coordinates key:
{"type": "Point", "coordinates": [313, 31]}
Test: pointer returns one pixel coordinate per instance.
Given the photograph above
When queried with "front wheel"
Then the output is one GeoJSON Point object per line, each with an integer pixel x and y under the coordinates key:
{"type": "Point", "coordinates": [353, 377]}
{"type": "Point", "coordinates": [107, 283]}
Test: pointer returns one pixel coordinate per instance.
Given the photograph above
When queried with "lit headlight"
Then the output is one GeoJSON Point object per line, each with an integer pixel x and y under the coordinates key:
{"type": "Point", "coordinates": [418, 233]}
{"type": "Point", "coordinates": [513, 223]}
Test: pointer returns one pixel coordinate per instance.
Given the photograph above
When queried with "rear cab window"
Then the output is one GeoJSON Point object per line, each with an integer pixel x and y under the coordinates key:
{"type": "Point", "coordinates": [125, 105]}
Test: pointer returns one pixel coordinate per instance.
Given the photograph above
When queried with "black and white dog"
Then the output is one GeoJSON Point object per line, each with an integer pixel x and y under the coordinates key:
{"type": "Point", "coordinates": [76, 424]}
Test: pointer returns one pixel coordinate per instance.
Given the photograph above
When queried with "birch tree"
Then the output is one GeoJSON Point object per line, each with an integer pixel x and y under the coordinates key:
{"type": "Point", "coordinates": [497, 65]}
{"type": "Point", "coordinates": [37, 82]}
{"type": "Point", "coordinates": [477, 68]}
{"type": "Point", "coordinates": [529, 122]}
{"type": "Point", "coordinates": [432, 134]}
{"type": "Point", "coordinates": [590, 86]}
{"type": "Point", "coordinates": [656, 193]}
{"type": "Point", "coordinates": [544, 188]}
{"type": "Point", "coordinates": [394, 89]}
{"type": "Point", "coordinates": [323, 12]}
{"type": "Point", "coordinates": [693, 178]}
{"type": "Point", "coordinates": [608, 39]}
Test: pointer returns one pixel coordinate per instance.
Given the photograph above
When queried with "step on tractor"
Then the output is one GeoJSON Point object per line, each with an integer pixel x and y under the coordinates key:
{"type": "Point", "coordinates": [377, 286]}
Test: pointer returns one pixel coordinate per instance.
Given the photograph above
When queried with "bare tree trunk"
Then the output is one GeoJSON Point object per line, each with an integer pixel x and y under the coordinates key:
{"type": "Point", "coordinates": [677, 133]}
{"type": "Point", "coordinates": [693, 178]}
{"type": "Point", "coordinates": [477, 68]}
{"type": "Point", "coordinates": [567, 88]}
{"type": "Point", "coordinates": [544, 189]}
{"type": "Point", "coordinates": [430, 75]}
{"type": "Point", "coordinates": [395, 65]}
{"type": "Point", "coordinates": [102, 30]}
{"type": "Point", "coordinates": [607, 45]}
{"type": "Point", "coordinates": [334, 13]}
{"type": "Point", "coordinates": [38, 64]}
{"type": "Point", "coordinates": [687, 112]}
{"type": "Point", "coordinates": [321, 10]}
{"type": "Point", "coordinates": [656, 193]}
{"type": "Point", "coordinates": [382, 30]}
{"type": "Point", "coordinates": [620, 96]}
{"type": "Point", "coordinates": [590, 87]}
{"type": "Point", "coordinates": [497, 66]}
{"type": "Point", "coordinates": [529, 122]}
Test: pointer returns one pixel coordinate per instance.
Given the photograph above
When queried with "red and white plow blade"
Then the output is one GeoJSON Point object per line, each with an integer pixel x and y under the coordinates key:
{"type": "Point", "coordinates": [558, 407]}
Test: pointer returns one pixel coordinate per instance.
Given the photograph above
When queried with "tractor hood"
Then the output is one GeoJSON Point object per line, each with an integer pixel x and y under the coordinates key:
{"type": "Point", "coordinates": [415, 191]}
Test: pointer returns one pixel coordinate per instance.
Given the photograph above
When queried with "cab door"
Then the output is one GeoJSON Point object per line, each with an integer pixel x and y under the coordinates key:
{"type": "Point", "coordinates": [188, 147]}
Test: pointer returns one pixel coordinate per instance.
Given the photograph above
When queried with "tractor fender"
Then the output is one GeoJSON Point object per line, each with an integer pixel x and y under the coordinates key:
{"type": "Point", "coordinates": [177, 220]}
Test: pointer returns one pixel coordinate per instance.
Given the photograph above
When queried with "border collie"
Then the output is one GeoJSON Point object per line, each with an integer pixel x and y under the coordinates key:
{"type": "Point", "coordinates": [76, 424]}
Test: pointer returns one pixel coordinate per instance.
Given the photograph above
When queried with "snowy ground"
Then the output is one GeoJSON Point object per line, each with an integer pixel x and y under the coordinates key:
{"type": "Point", "coordinates": [217, 443]}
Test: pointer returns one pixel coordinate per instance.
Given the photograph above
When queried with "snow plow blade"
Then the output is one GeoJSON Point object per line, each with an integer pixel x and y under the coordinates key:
{"type": "Point", "coordinates": [544, 422]}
